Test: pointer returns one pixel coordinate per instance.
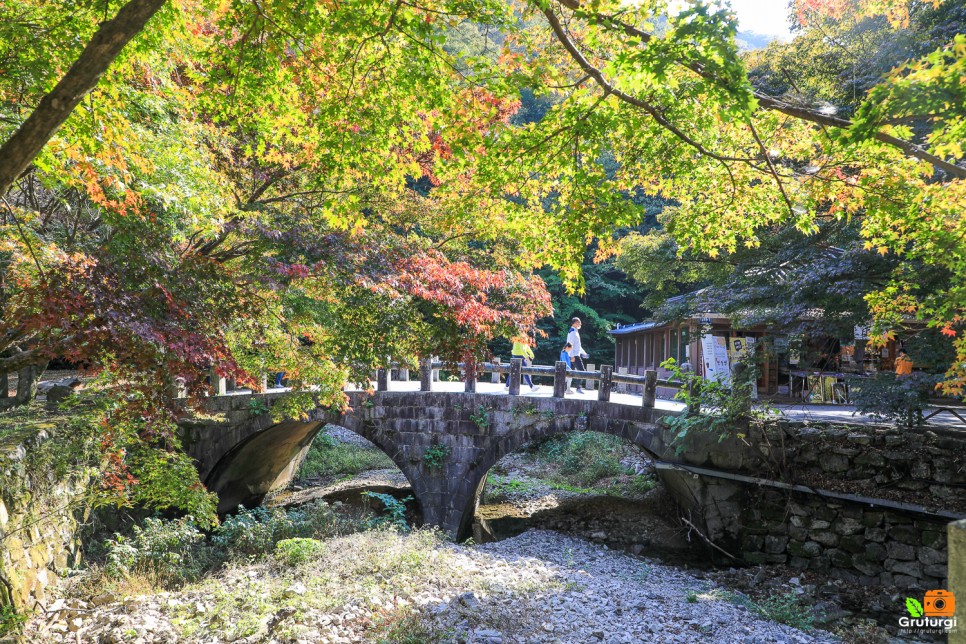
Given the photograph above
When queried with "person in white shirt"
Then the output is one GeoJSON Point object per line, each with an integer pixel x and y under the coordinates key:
{"type": "Point", "coordinates": [577, 354]}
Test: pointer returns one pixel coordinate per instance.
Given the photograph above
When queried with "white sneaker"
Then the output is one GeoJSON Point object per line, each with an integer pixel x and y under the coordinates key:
{"type": "Point", "coordinates": [569, 391]}
{"type": "Point", "coordinates": [535, 388]}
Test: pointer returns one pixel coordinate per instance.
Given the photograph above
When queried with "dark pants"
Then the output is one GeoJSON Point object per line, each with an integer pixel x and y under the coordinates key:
{"type": "Point", "coordinates": [578, 365]}
{"type": "Point", "coordinates": [526, 376]}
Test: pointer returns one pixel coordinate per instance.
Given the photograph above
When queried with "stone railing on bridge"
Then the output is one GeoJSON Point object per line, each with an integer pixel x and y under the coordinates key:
{"type": "Point", "coordinates": [606, 378]}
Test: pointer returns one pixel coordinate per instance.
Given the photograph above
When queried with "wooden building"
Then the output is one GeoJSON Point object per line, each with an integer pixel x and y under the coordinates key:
{"type": "Point", "coordinates": [705, 345]}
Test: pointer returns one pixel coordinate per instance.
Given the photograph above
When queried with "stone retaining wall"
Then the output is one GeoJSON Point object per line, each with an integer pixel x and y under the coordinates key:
{"type": "Point", "coordinates": [867, 460]}
{"type": "Point", "coordinates": [869, 545]}
{"type": "Point", "coordinates": [38, 520]}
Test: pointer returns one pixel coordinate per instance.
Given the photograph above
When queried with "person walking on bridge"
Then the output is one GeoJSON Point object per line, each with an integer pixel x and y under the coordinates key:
{"type": "Point", "coordinates": [577, 354]}
{"type": "Point", "coordinates": [522, 350]}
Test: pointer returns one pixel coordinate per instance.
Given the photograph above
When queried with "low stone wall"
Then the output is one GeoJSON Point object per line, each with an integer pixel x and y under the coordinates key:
{"type": "Point", "coordinates": [862, 503]}
{"type": "Point", "coordinates": [870, 545]}
{"type": "Point", "coordinates": [38, 518]}
{"type": "Point", "coordinates": [866, 460]}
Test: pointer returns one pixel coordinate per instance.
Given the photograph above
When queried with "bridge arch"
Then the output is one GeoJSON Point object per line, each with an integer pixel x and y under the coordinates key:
{"type": "Point", "coordinates": [245, 458]}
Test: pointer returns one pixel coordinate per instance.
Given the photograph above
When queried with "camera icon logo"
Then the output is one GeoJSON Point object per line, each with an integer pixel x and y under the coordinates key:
{"type": "Point", "coordinates": [939, 603]}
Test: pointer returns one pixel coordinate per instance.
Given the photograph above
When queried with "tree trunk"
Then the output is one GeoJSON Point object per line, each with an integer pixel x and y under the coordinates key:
{"type": "Point", "coordinates": [22, 148]}
{"type": "Point", "coordinates": [27, 380]}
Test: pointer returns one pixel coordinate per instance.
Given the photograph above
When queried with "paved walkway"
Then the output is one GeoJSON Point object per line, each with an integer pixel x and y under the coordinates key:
{"type": "Point", "coordinates": [798, 412]}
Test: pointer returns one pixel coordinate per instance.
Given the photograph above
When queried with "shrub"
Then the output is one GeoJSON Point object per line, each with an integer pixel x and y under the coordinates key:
{"type": "Point", "coordinates": [435, 455]}
{"type": "Point", "coordinates": [257, 531]}
{"type": "Point", "coordinates": [293, 552]}
{"type": "Point", "coordinates": [329, 457]}
{"type": "Point", "coordinates": [786, 609]}
{"type": "Point", "coordinates": [481, 418]}
{"type": "Point", "coordinates": [394, 511]}
{"type": "Point", "coordinates": [900, 399]}
{"type": "Point", "coordinates": [725, 409]}
{"type": "Point", "coordinates": [11, 622]}
{"type": "Point", "coordinates": [585, 457]}
{"type": "Point", "coordinates": [165, 550]}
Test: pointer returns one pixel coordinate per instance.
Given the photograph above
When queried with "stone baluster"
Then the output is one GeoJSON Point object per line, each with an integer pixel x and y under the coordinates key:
{"type": "Point", "coordinates": [513, 379]}
{"type": "Point", "coordinates": [403, 374]}
{"type": "Point", "coordinates": [382, 380]}
{"type": "Point", "coordinates": [426, 374]}
{"type": "Point", "coordinates": [263, 381]}
{"type": "Point", "coordinates": [650, 389]}
{"type": "Point", "coordinates": [590, 384]}
{"type": "Point", "coordinates": [621, 386]}
{"type": "Point", "coordinates": [219, 386]}
{"type": "Point", "coordinates": [559, 379]}
{"type": "Point", "coordinates": [606, 382]}
{"type": "Point", "coordinates": [495, 376]}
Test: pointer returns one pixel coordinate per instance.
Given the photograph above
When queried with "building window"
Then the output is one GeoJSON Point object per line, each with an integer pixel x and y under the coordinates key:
{"type": "Point", "coordinates": [685, 341]}
{"type": "Point", "coordinates": [674, 345]}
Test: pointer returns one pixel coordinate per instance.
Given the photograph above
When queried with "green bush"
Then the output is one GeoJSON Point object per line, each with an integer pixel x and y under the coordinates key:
{"type": "Point", "coordinates": [293, 552]}
{"type": "Point", "coordinates": [900, 399]}
{"type": "Point", "coordinates": [787, 609]}
{"type": "Point", "coordinates": [257, 531]}
{"type": "Point", "coordinates": [435, 455]}
{"type": "Point", "coordinates": [166, 550]}
{"type": "Point", "coordinates": [584, 458]}
{"type": "Point", "coordinates": [11, 622]}
{"type": "Point", "coordinates": [394, 511]}
{"type": "Point", "coordinates": [713, 406]}
{"type": "Point", "coordinates": [329, 457]}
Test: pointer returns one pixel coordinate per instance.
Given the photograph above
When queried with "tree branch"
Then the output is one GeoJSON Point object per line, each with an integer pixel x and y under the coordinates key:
{"type": "Point", "coordinates": [778, 105]}
{"type": "Point", "coordinates": [22, 148]}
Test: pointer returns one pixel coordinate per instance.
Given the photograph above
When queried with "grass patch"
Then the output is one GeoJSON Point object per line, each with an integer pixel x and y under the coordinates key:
{"type": "Point", "coordinates": [786, 609]}
{"type": "Point", "coordinates": [329, 457]}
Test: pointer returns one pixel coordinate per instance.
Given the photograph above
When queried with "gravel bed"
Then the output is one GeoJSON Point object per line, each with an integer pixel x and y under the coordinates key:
{"type": "Point", "coordinates": [540, 587]}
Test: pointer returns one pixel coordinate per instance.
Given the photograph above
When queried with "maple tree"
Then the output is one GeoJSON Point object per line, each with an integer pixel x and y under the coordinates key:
{"type": "Point", "coordinates": [320, 187]}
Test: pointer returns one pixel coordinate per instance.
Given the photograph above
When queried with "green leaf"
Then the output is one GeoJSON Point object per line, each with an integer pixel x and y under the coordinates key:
{"type": "Point", "coordinates": [914, 607]}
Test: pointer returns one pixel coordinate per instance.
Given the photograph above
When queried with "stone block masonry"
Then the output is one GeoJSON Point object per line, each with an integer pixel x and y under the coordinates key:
{"type": "Point", "coordinates": [38, 519]}
{"type": "Point", "coordinates": [850, 541]}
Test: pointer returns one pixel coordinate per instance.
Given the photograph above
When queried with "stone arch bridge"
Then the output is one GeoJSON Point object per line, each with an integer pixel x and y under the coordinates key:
{"type": "Point", "coordinates": [248, 455]}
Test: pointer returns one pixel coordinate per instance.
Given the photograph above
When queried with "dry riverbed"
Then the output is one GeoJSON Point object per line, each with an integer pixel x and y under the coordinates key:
{"type": "Point", "coordinates": [552, 561]}
{"type": "Point", "coordinates": [383, 586]}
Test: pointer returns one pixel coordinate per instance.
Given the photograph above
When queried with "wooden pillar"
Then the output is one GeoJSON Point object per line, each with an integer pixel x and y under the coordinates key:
{"type": "Point", "coordinates": [382, 380]}
{"type": "Point", "coordinates": [559, 379]}
{"type": "Point", "coordinates": [426, 374]}
{"type": "Point", "coordinates": [650, 389]}
{"type": "Point", "coordinates": [606, 381]}
{"type": "Point", "coordinates": [516, 364]}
